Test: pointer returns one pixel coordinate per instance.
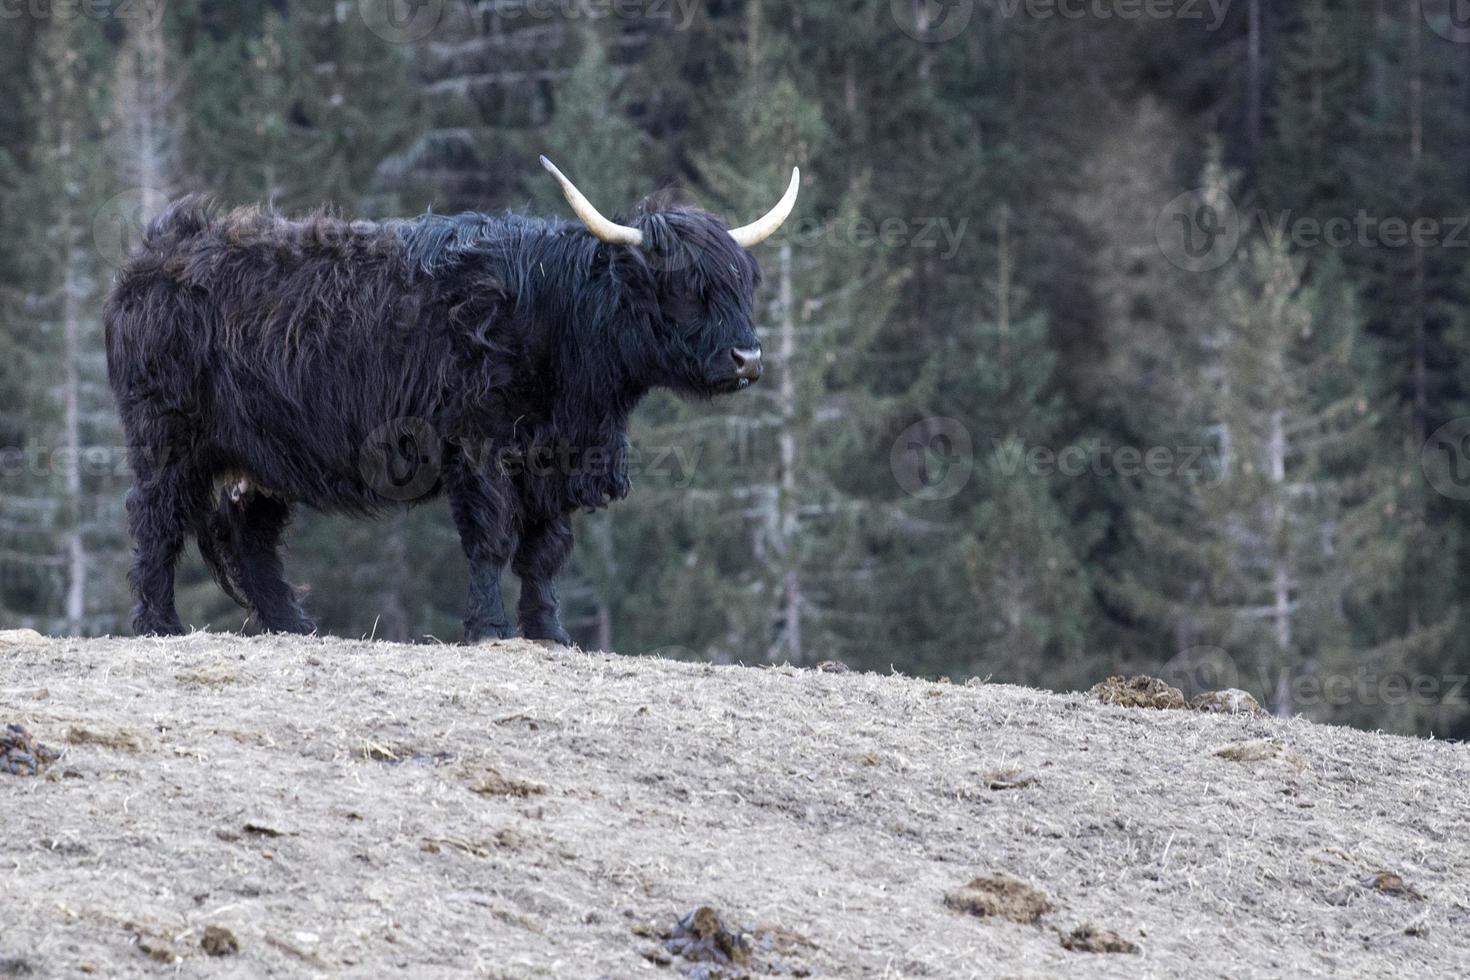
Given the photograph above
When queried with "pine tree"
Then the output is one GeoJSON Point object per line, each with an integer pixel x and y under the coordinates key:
{"type": "Point", "coordinates": [59, 526]}
{"type": "Point", "coordinates": [1303, 512]}
{"type": "Point", "coordinates": [1029, 597]}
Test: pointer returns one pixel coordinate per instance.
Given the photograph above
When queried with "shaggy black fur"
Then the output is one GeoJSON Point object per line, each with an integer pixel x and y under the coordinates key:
{"type": "Point", "coordinates": [260, 362]}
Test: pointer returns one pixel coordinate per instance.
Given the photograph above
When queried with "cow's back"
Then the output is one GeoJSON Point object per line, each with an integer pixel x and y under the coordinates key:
{"type": "Point", "coordinates": [277, 345]}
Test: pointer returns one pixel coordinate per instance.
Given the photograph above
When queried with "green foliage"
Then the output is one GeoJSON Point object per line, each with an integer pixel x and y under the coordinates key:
{"type": "Point", "coordinates": [1288, 394]}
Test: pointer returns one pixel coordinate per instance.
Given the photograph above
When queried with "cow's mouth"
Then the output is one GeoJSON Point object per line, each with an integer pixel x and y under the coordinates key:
{"type": "Point", "coordinates": [729, 385]}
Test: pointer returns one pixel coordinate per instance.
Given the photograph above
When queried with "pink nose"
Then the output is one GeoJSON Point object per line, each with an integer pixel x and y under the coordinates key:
{"type": "Point", "coordinates": [747, 363]}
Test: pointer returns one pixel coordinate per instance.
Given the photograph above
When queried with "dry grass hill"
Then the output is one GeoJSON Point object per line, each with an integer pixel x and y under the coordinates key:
{"type": "Point", "coordinates": [273, 807]}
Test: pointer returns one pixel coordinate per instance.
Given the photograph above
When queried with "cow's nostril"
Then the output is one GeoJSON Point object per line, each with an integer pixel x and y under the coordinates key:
{"type": "Point", "coordinates": [747, 363]}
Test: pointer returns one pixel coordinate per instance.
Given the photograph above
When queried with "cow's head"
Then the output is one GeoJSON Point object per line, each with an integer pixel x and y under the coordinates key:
{"type": "Point", "coordinates": [703, 283]}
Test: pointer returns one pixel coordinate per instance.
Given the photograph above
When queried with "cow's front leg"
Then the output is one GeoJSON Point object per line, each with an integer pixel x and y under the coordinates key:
{"type": "Point", "coordinates": [482, 512]}
{"type": "Point", "coordinates": [543, 548]}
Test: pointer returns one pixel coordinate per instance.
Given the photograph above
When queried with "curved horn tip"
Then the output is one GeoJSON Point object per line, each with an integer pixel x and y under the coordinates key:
{"type": "Point", "coordinates": [748, 236]}
{"type": "Point", "coordinates": [605, 230]}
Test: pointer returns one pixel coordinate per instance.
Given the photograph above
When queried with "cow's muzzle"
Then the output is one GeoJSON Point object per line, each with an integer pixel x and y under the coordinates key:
{"type": "Point", "coordinates": [747, 363]}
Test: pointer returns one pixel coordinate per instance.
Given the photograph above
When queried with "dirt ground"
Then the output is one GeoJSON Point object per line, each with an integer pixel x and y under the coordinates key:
{"type": "Point", "coordinates": [271, 807]}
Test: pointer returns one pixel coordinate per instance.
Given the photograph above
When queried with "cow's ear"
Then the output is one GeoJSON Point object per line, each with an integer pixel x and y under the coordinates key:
{"type": "Point", "coordinates": [630, 267]}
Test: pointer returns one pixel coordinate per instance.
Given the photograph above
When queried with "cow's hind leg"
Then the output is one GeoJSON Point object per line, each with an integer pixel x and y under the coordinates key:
{"type": "Point", "coordinates": [160, 506]}
{"type": "Point", "coordinates": [543, 549]}
{"type": "Point", "coordinates": [482, 509]}
{"type": "Point", "coordinates": [255, 524]}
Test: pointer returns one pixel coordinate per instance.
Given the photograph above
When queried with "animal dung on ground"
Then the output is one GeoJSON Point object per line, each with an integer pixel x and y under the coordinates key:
{"type": "Point", "coordinates": [156, 948]}
{"type": "Point", "coordinates": [999, 895]}
{"type": "Point", "coordinates": [219, 941]}
{"type": "Point", "coordinates": [702, 937]}
{"type": "Point", "coordinates": [1140, 691]}
{"type": "Point", "coordinates": [1391, 884]}
{"type": "Point", "coordinates": [13, 968]}
{"type": "Point", "coordinates": [1093, 939]}
{"type": "Point", "coordinates": [1230, 701]}
{"type": "Point", "coordinates": [709, 948]}
{"type": "Point", "coordinates": [21, 754]}
{"type": "Point", "coordinates": [495, 783]}
{"type": "Point", "coordinates": [116, 738]}
{"type": "Point", "coordinates": [1258, 750]}
{"type": "Point", "coordinates": [1009, 779]}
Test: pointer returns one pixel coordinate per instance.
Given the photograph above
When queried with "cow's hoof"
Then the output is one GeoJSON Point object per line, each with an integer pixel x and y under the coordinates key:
{"type": "Point", "coordinates": [303, 628]}
{"type": "Point", "coordinates": [479, 633]}
{"type": "Point", "coordinates": [156, 626]}
{"type": "Point", "coordinates": [548, 633]}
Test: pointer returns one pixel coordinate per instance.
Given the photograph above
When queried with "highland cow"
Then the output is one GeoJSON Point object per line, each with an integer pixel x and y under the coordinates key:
{"type": "Point", "coordinates": [261, 363]}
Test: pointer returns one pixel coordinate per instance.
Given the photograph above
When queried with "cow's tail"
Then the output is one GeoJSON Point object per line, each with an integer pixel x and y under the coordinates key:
{"type": "Point", "coordinates": [216, 533]}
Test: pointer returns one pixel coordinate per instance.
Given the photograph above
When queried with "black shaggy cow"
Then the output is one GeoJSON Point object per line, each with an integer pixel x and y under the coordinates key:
{"type": "Point", "coordinates": [260, 363]}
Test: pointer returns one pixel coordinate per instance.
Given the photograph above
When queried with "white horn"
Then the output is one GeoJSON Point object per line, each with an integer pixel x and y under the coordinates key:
{"type": "Point", "coordinates": [748, 236]}
{"type": "Point", "coordinates": [609, 231]}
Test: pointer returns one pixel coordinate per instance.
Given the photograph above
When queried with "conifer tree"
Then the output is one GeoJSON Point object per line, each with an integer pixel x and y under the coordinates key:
{"type": "Point", "coordinates": [60, 524]}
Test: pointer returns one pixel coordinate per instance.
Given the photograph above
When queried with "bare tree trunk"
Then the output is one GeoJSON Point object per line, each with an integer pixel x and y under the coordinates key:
{"type": "Point", "coordinates": [1417, 304]}
{"type": "Point", "coordinates": [1253, 80]}
{"type": "Point", "coordinates": [144, 97]}
{"type": "Point", "coordinates": [787, 495]}
{"type": "Point", "coordinates": [73, 308]}
{"type": "Point", "coordinates": [72, 303]}
{"type": "Point", "coordinates": [1281, 568]}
